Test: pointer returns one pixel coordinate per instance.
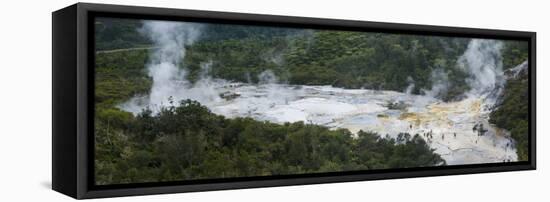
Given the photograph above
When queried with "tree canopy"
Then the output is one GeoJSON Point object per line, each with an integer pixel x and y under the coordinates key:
{"type": "Point", "coordinates": [187, 141]}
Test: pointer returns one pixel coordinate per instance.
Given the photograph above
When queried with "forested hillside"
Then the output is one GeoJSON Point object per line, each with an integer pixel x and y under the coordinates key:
{"type": "Point", "coordinates": [513, 113]}
{"type": "Point", "coordinates": [338, 58]}
{"type": "Point", "coordinates": [341, 59]}
{"type": "Point", "coordinates": [187, 141]}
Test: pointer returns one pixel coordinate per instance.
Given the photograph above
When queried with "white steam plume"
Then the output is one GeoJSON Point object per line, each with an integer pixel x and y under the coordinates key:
{"type": "Point", "coordinates": [411, 85]}
{"type": "Point", "coordinates": [267, 77]}
{"type": "Point", "coordinates": [440, 83]}
{"type": "Point", "coordinates": [165, 62]}
{"type": "Point", "coordinates": [482, 61]}
{"type": "Point", "coordinates": [167, 70]}
{"type": "Point", "coordinates": [276, 90]}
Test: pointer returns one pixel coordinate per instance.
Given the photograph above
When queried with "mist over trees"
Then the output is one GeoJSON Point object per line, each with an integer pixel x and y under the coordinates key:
{"type": "Point", "coordinates": [187, 141]}
{"type": "Point", "coordinates": [339, 58]}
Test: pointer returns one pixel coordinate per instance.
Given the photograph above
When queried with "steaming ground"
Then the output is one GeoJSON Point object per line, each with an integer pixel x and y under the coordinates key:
{"type": "Point", "coordinates": [447, 127]}
{"type": "Point", "coordinates": [458, 131]}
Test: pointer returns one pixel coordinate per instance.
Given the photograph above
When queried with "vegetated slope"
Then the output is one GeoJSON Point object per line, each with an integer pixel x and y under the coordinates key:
{"type": "Point", "coordinates": [159, 148]}
{"type": "Point", "coordinates": [513, 112]}
{"type": "Point", "coordinates": [189, 142]}
{"type": "Point", "coordinates": [339, 58]}
{"type": "Point", "coordinates": [113, 33]}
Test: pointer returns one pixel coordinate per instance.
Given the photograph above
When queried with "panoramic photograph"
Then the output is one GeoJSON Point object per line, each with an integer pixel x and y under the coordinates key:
{"type": "Point", "coordinates": [182, 101]}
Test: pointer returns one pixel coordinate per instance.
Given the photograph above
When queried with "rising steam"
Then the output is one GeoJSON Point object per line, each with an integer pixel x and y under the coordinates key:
{"type": "Point", "coordinates": [411, 85]}
{"type": "Point", "coordinates": [166, 67]}
{"type": "Point", "coordinates": [356, 109]}
{"type": "Point", "coordinates": [482, 62]}
{"type": "Point", "coordinates": [440, 83]}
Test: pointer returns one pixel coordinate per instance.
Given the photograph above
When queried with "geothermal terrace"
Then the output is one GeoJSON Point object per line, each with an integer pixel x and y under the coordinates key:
{"type": "Point", "coordinates": [451, 128]}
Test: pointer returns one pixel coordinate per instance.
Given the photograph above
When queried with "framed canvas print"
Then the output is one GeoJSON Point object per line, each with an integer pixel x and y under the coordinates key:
{"type": "Point", "coordinates": [155, 100]}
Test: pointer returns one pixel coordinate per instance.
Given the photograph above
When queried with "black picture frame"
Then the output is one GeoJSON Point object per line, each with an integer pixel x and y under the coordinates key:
{"type": "Point", "coordinates": [73, 94]}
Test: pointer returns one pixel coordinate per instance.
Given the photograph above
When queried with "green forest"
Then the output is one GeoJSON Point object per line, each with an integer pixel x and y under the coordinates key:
{"type": "Point", "coordinates": [187, 141]}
